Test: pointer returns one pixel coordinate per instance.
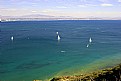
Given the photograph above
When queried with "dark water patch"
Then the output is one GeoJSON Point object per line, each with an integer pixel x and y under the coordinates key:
{"type": "Point", "coordinates": [5, 62]}
{"type": "Point", "coordinates": [23, 30]}
{"type": "Point", "coordinates": [32, 65]}
{"type": "Point", "coordinates": [4, 71]}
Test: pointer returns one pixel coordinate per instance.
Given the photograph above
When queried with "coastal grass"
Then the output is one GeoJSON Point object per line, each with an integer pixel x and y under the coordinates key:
{"type": "Point", "coordinates": [108, 74]}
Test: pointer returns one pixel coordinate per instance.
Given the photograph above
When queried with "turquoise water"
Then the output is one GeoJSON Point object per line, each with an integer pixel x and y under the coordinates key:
{"type": "Point", "coordinates": [35, 52]}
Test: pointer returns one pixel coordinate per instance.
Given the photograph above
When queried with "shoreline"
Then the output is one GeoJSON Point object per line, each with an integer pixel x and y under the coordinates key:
{"type": "Point", "coordinates": [110, 74]}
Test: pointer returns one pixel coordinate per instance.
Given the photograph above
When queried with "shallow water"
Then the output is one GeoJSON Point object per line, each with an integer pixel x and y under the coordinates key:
{"type": "Point", "coordinates": [35, 52]}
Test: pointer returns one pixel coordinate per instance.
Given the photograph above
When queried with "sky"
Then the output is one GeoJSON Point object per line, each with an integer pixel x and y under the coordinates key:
{"type": "Point", "coordinates": [74, 8]}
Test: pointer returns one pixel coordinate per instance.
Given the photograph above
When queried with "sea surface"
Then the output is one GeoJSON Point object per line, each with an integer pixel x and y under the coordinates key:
{"type": "Point", "coordinates": [36, 54]}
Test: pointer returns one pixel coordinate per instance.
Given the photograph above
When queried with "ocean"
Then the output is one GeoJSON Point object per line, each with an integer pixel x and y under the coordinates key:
{"type": "Point", "coordinates": [35, 53]}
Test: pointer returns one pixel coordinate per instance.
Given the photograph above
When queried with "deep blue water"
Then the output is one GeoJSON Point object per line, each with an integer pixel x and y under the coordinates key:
{"type": "Point", "coordinates": [35, 52]}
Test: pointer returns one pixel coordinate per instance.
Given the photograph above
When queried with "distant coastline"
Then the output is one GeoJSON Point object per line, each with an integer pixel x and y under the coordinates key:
{"type": "Point", "coordinates": [38, 17]}
{"type": "Point", "coordinates": [12, 20]}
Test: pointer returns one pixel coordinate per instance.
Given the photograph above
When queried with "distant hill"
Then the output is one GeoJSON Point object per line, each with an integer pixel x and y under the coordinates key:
{"type": "Point", "coordinates": [49, 17]}
{"type": "Point", "coordinates": [36, 16]}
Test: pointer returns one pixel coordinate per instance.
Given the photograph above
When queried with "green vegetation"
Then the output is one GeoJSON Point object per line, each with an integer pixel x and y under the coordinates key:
{"type": "Point", "coordinates": [109, 74]}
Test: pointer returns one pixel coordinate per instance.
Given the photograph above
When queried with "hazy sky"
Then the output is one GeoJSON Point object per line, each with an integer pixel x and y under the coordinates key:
{"type": "Point", "coordinates": [75, 8]}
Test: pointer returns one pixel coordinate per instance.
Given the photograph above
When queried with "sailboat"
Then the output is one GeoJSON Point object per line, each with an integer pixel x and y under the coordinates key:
{"type": "Point", "coordinates": [87, 45]}
{"type": "Point", "coordinates": [59, 37]}
{"type": "Point", "coordinates": [57, 33]}
{"type": "Point", "coordinates": [12, 38]}
{"type": "Point", "coordinates": [90, 40]}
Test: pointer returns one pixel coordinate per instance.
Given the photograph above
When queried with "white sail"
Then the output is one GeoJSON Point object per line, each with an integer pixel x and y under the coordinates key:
{"type": "Point", "coordinates": [58, 37]}
{"type": "Point", "coordinates": [57, 33]}
{"type": "Point", "coordinates": [90, 40]}
{"type": "Point", "coordinates": [12, 38]}
{"type": "Point", "coordinates": [87, 45]}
